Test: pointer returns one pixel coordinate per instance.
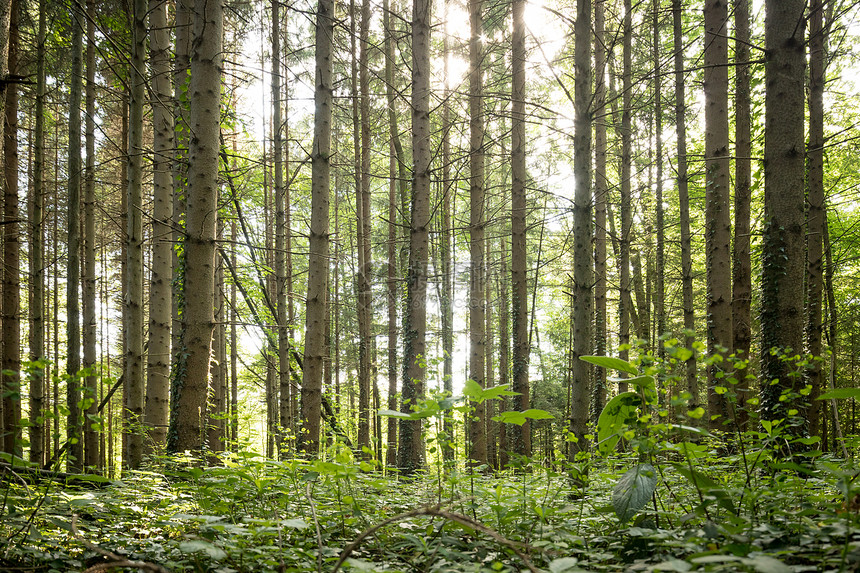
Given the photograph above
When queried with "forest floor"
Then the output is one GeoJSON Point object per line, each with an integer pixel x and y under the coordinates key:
{"type": "Point", "coordinates": [251, 514]}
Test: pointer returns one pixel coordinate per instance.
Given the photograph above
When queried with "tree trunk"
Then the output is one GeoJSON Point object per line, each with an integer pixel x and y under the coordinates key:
{"type": "Point", "coordinates": [11, 328]}
{"type": "Point", "coordinates": [504, 351]}
{"type": "Point", "coordinates": [601, 192]}
{"type": "Point", "coordinates": [411, 451]}
{"type": "Point", "coordinates": [692, 385]}
{"type": "Point", "coordinates": [188, 413]}
{"type": "Point", "coordinates": [741, 265]}
{"type": "Point", "coordinates": [815, 214]}
{"type": "Point", "coordinates": [583, 272]}
{"type": "Point", "coordinates": [660, 222]}
{"type": "Point", "coordinates": [784, 233]}
{"type": "Point", "coordinates": [625, 299]}
{"type": "Point", "coordinates": [73, 263]}
{"type": "Point", "coordinates": [158, 357]}
{"type": "Point", "coordinates": [446, 247]}
{"type": "Point", "coordinates": [477, 313]}
{"type": "Point", "coordinates": [37, 256]}
{"type": "Point", "coordinates": [520, 438]}
{"type": "Point", "coordinates": [718, 201]}
{"type": "Point", "coordinates": [315, 314]}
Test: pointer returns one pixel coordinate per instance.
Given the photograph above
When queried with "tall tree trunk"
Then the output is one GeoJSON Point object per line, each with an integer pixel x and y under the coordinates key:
{"type": "Point", "coordinates": [660, 256]}
{"type": "Point", "coordinates": [504, 350]}
{"type": "Point", "coordinates": [625, 299]}
{"type": "Point", "coordinates": [133, 396]}
{"type": "Point", "coordinates": [583, 272]}
{"type": "Point", "coordinates": [91, 398]}
{"type": "Point", "coordinates": [446, 306]}
{"type": "Point", "coordinates": [816, 220]}
{"type": "Point", "coordinates": [188, 411]}
{"type": "Point", "coordinates": [784, 233]}
{"type": "Point", "coordinates": [601, 192]}
{"type": "Point", "coordinates": [411, 451]}
{"type": "Point", "coordinates": [477, 313]}
{"type": "Point", "coordinates": [73, 264]}
{"type": "Point", "coordinates": [37, 256]}
{"type": "Point", "coordinates": [11, 328]}
{"type": "Point", "coordinates": [315, 314]}
{"type": "Point", "coordinates": [215, 425]}
{"type": "Point", "coordinates": [692, 385]}
{"type": "Point", "coordinates": [158, 356]}
{"type": "Point", "coordinates": [741, 264]}
{"type": "Point", "coordinates": [520, 438]}
{"type": "Point", "coordinates": [718, 201]}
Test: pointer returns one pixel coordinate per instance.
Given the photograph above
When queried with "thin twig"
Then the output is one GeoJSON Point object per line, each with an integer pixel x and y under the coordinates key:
{"type": "Point", "coordinates": [317, 525]}
{"type": "Point", "coordinates": [435, 510]}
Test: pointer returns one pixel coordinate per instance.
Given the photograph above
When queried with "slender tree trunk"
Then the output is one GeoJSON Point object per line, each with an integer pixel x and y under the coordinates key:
{"type": "Point", "coordinates": [447, 246]}
{"type": "Point", "coordinates": [234, 350]}
{"type": "Point", "coordinates": [411, 451]}
{"type": "Point", "coordinates": [91, 398]}
{"type": "Point", "coordinates": [73, 264]}
{"type": "Point", "coordinates": [660, 256]}
{"type": "Point", "coordinates": [477, 312]}
{"type": "Point", "coordinates": [133, 396]}
{"type": "Point", "coordinates": [158, 351]}
{"type": "Point", "coordinates": [189, 409]}
{"type": "Point", "coordinates": [37, 251]}
{"type": "Point", "coordinates": [815, 213]}
{"type": "Point", "coordinates": [741, 265]}
{"type": "Point", "coordinates": [315, 314]}
{"type": "Point", "coordinates": [504, 350]}
{"type": "Point", "coordinates": [583, 272]}
{"type": "Point", "coordinates": [218, 393]}
{"type": "Point", "coordinates": [718, 201]}
{"type": "Point", "coordinates": [601, 192]}
{"type": "Point", "coordinates": [520, 439]}
{"type": "Point", "coordinates": [692, 385]}
{"type": "Point", "coordinates": [11, 327]}
{"type": "Point", "coordinates": [784, 233]}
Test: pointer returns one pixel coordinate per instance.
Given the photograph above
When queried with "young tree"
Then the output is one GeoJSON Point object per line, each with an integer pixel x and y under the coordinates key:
{"type": "Point", "coordinates": [315, 313]}
{"type": "Point", "coordinates": [625, 304]}
{"type": "Point", "coordinates": [188, 412]}
{"type": "Point", "coordinates": [717, 199]}
{"type": "Point", "coordinates": [784, 232]}
{"type": "Point", "coordinates": [601, 191]}
{"type": "Point", "coordinates": [411, 448]}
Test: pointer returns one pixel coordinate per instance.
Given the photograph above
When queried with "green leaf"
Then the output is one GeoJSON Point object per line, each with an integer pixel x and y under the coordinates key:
{"type": "Point", "coordinates": [707, 486]}
{"type": "Point", "coordinates": [564, 565]}
{"type": "Point", "coordinates": [611, 363]}
{"type": "Point", "coordinates": [766, 564]}
{"type": "Point", "coordinates": [840, 394]}
{"type": "Point", "coordinates": [535, 414]}
{"type": "Point", "coordinates": [474, 392]}
{"type": "Point", "coordinates": [196, 545]}
{"type": "Point", "coordinates": [394, 414]}
{"type": "Point", "coordinates": [616, 415]}
{"type": "Point", "coordinates": [633, 491]}
{"type": "Point", "coordinates": [513, 417]}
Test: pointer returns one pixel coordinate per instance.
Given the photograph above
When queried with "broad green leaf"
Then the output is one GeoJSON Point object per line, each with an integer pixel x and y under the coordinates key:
{"type": "Point", "coordinates": [766, 564]}
{"type": "Point", "coordinates": [513, 417]}
{"type": "Point", "coordinates": [840, 394]}
{"type": "Point", "coordinates": [611, 363]}
{"type": "Point", "coordinates": [633, 491]}
{"type": "Point", "coordinates": [295, 523]}
{"type": "Point", "coordinates": [564, 565]}
{"type": "Point", "coordinates": [196, 545]}
{"type": "Point", "coordinates": [394, 414]}
{"type": "Point", "coordinates": [472, 390]}
{"type": "Point", "coordinates": [616, 415]}
{"type": "Point", "coordinates": [707, 486]}
{"type": "Point", "coordinates": [536, 414]}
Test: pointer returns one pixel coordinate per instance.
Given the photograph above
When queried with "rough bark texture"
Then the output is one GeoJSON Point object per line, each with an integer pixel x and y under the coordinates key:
{"type": "Point", "coordinates": [133, 400]}
{"type": "Point", "coordinates": [660, 219]}
{"type": "Point", "coordinates": [188, 410]}
{"type": "Point", "coordinates": [583, 274]}
{"type": "Point", "coordinates": [625, 305]}
{"type": "Point", "coordinates": [11, 328]}
{"type": "Point", "coordinates": [784, 234]}
{"type": "Point", "coordinates": [520, 437]}
{"type": "Point", "coordinates": [160, 289]}
{"type": "Point", "coordinates": [718, 201]}
{"type": "Point", "coordinates": [816, 219]}
{"type": "Point", "coordinates": [91, 382]}
{"type": "Point", "coordinates": [411, 450]}
{"type": "Point", "coordinates": [37, 253]}
{"type": "Point", "coordinates": [446, 246]}
{"type": "Point", "coordinates": [692, 385]}
{"type": "Point", "coordinates": [741, 264]}
{"type": "Point", "coordinates": [477, 312]}
{"type": "Point", "coordinates": [73, 261]}
{"type": "Point", "coordinates": [315, 351]}
{"type": "Point", "coordinates": [601, 191]}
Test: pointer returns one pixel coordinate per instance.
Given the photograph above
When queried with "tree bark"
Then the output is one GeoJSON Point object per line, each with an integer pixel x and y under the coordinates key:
{"type": "Point", "coordinates": [315, 314]}
{"type": "Point", "coordinates": [411, 450]}
{"type": "Point", "coordinates": [718, 201]}
{"type": "Point", "coordinates": [625, 306]}
{"type": "Point", "coordinates": [188, 412]}
{"type": "Point", "coordinates": [601, 192]}
{"type": "Point", "coordinates": [784, 232]}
